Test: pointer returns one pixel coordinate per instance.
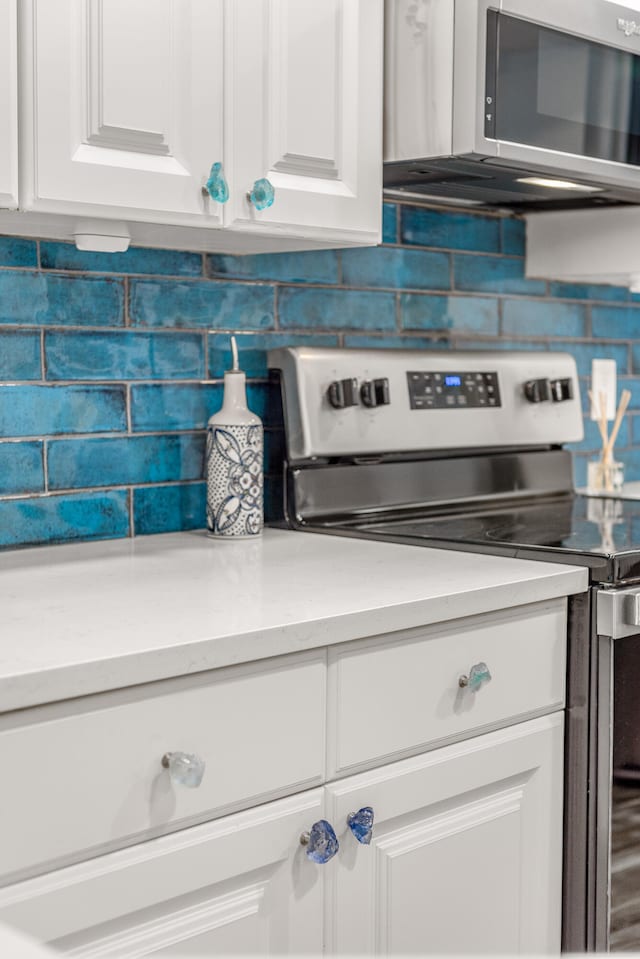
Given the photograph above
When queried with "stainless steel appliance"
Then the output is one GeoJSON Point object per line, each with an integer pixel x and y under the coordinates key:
{"type": "Point", "coordinates": [497, 101]}
{"type": "Point", "coordinates": [465, 451]}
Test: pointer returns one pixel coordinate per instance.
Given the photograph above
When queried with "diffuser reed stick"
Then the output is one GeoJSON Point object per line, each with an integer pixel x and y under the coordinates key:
{"type": "Point", "coordinates": [607, 475]}
{"type": "Point", "coordinates": [607, 452]}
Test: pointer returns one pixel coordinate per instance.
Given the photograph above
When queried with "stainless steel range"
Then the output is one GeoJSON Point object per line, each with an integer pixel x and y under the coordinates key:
{"type": "Point", "coordinates": [466, 451]}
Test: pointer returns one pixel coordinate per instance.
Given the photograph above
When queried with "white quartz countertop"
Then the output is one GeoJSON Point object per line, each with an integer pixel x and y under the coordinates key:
{"type": "Point", "coordinates": [89, 617]}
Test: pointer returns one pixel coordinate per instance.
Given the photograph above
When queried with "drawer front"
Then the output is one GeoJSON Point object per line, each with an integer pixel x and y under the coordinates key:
{"type": "Point", "coordinates": [92, 779]}
{"type": "Point", "coordinates": [393, 697]}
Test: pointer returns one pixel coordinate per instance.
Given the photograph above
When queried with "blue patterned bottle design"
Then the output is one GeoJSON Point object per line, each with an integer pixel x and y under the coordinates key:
{"type": "Point", "coordinates": [234, 471]}
{"type": "Point", "coordinates": [235, 480]}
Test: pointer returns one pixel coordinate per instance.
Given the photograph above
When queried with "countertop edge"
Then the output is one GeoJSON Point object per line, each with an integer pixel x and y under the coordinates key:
{"type": "Point", "coordinates": [74, 680]}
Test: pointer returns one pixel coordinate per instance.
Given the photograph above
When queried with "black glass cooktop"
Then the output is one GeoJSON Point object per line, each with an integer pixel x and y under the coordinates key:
{"type": "Point", "coordinates": [603, 534]}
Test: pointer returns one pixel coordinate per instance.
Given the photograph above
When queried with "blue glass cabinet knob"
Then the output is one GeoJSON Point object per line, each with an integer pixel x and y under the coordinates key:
{"type": "Point", "coordinates": [478, 675]}
{"type": "Point", "coordinates": [262, 195]}
{"type": "Point", "coordinates": [216, 185]}
{"type": "Point", "coordinates": [321, 842]}
{"type": "Point", "coordinates": [361, 824]}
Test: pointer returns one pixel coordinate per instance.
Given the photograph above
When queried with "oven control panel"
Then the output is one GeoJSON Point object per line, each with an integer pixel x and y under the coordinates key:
{"type": "Point", "coordinates": [350, 402]}
{"type": "Point", "coordinates": [451, 391]}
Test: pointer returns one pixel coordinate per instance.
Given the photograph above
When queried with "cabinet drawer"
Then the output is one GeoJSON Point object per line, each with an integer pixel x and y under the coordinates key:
{"type": "Point", "coordinates": [391, 697]}
{"type": "Point", "coordinates": [87, 775]}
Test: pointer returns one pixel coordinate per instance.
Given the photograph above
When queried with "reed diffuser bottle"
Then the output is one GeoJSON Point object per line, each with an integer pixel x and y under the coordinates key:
{"type": "Point", "coordinates": [235, 445]}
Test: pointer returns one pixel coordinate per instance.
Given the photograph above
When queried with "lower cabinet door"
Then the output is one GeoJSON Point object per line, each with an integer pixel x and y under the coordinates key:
{"type": "Point", "coordinates": [240, 885]}
{"type": "Point", "coordinates": [466, 853]}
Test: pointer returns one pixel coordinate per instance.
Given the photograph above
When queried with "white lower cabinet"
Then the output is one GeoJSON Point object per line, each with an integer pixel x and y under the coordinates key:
{"type": "Point", "coordinates": [108, 855]}
{"type": "Point", "coordinates": [465, 858]}
{"type": "Point", "coordinates": [240, 885]}
{"type": "Point", "coordinates": [466, 854]}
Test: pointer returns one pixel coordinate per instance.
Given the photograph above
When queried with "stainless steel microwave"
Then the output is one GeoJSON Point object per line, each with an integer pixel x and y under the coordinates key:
{"type": "Point", "coordinates": [513, 102]}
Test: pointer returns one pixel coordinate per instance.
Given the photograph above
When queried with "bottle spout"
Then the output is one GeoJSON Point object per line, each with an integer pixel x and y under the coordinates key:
{"type": "Point", "coordinates": [235, 367]}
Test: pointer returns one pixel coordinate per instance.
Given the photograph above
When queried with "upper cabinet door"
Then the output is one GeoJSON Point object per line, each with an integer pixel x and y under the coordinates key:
{"type": "Point", "coordinates": [8, 105]}
{"type": "Point", "coordinates": [125, 101]}
{"type": "Point", "coordinates": [304, 102]}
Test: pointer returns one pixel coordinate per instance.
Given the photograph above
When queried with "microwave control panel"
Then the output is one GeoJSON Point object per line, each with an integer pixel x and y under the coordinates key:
{"type": "Point", "coordinates": [451, 391]}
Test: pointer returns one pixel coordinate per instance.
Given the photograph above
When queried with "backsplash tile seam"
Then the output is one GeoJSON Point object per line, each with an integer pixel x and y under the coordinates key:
{"type": "Point", "coordinates": [127, 315]}
{"type": "Point", "coordinates": [130, 511]}
{"type": "Point", "coordinates": [43, 360]}
{"type": "Point", "coordinates": [45, 465]}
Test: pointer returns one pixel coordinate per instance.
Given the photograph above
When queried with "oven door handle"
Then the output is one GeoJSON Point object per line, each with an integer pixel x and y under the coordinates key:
{"type": "Point", "coordinates": [618, 612]}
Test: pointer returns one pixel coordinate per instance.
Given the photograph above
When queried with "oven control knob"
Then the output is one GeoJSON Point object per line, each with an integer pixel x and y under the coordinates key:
{"type": "Point", "coordinates": [375, 392]}
{"type": "Point", "coordinates": [561, 390]}
{"type": "Point", "coordinates": [343, 393]}
{"type": "Point", "coordinates": [537, 391]}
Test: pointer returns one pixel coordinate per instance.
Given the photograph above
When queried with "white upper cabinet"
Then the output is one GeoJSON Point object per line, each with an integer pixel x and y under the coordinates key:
{"type": "Point", "coordinates": [8, 105]}
{"type": "Point", "coordinates": [126, 103]}
{"type": "Point", "coordinates": [304, 99]}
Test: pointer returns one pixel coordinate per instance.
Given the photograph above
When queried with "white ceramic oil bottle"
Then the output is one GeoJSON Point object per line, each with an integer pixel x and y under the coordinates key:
{"type": "Point", "coordinates": [235, 444]}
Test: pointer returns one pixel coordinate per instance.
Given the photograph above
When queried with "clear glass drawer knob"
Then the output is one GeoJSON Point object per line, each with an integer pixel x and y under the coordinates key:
{"type": "Point", "coordinates": [185, 769]}
{"type": "Point", "coordinates": [478, 676]}
{"type": "Point", "coordinates": [321, 842]}
{"type": "Point", "coordinates": [361, 824]}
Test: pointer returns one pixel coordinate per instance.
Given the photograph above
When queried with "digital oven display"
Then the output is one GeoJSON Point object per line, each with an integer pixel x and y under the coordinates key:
{"type": "Point", "coordinates": [451, 391]}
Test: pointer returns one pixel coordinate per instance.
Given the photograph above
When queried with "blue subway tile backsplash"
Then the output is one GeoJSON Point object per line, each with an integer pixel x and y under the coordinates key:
{"type": "Point", "coordinates": [396, 268]}
{"type": "Point", "coordinates": [125, 355]}
{"type": "Point", "coordinates": [64, 256]}
{"type": "Point", "coordinates": [111, 364]}
{"type": "Point", "coordinates": [17, 252]}
{"type": "Point", "coordinates": [389, 223]}
{"type": "Point", "coordinates": [201, 304]}
{"type": "Point", "coordinates": [41, 299]}
{"type": "Point", "coordinates": [545, 317]}
{"type": "Point", "coordinates": [169, 509]}
{"type": "Point", "coordinates": [588, 291]}
{"type": "Point", "coordinates": [615, 322]}
{"type": "Point", "coordinates": [321, 266]}
{"type": "Point", "coordinates": [495, 274]}
{"type": "Point", "coordinates": [253, 349]}
{"type": "Point", "coordinates": [163, 407]}
{"type": "Point", "coordinates": [83, 463]}
{"type": "Point", "coordinates": [60, 519]}
{"type": "Point", "coordinates": [20, 356]}
{"type": "Point", "coordinates": [455, 231]}
{"type": "Point", "coordinates": [21, 468]}
{"type": "Point", "coordinates": [312, 308]}
{"type": "Point", "coordinates": [51, 410]}
{"type": "Point", "coordinates": [476, 314]}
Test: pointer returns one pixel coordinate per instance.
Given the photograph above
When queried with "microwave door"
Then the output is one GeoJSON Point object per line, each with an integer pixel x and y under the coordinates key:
{"type": "Point", "coordinates": [552, 99]}
{"type": "Point", "coordinates": [563, 93]}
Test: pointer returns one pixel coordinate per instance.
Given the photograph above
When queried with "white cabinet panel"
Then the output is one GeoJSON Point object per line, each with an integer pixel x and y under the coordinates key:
{"type": "Point", "coordinates": [466, 855]}
{"type": "Point", "coordinates": [124, 99]}
{"type": "Point", "coordinates": [101, 758]}
{"type": "Point", "coordinates": [8, 105]}
{"type": "Point", "coordinates": [240, 886]}
{"type": "Point", "coordinates": [417, 673]}
{"type": "Point", "coordinates": [304, 101]}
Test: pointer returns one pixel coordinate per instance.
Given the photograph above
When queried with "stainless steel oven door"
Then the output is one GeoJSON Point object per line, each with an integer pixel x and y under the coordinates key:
{"type": "Point", "coordinates": [616, 754]}
{"type": "Point", "coordinates": [552, 87]}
